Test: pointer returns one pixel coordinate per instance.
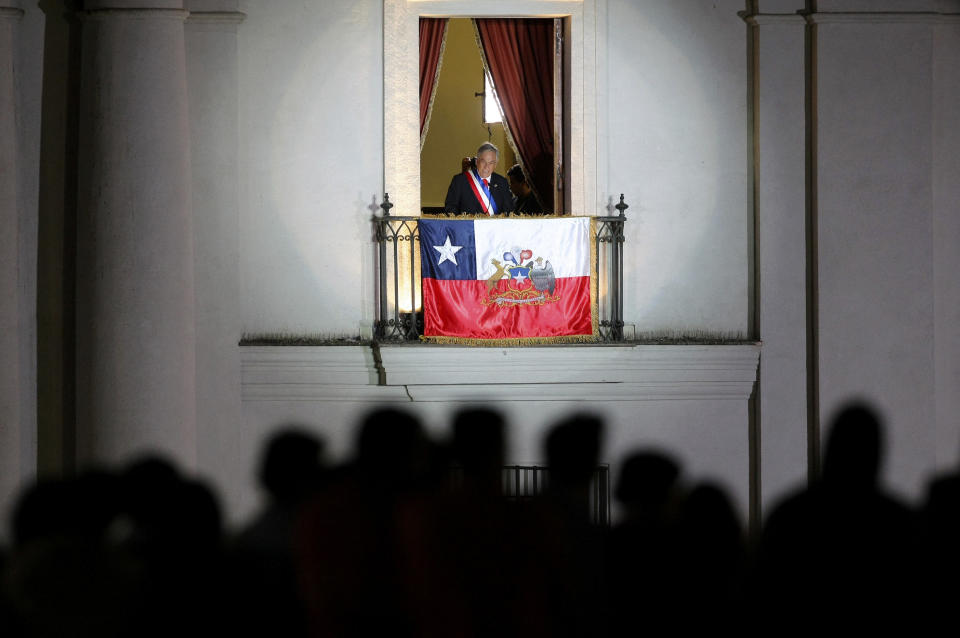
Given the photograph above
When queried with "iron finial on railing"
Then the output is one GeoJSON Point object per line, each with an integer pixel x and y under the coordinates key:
{"type": "Point", "coordinates": [387, 205]}
{"type": "Point", "coordinates": [621, 206]}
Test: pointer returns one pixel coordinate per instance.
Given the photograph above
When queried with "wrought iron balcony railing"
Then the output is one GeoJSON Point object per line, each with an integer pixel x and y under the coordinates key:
{"type": "Point", "coordinates": [399, 317]}
{"type": "Point", "coordinates": [523, 484]}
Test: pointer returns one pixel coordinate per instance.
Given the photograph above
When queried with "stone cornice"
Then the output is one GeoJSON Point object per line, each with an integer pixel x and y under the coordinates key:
{"type": "Point", "coordinates": [135, 14]}
{"type": "Point", "coordinates": [850, 17]}
{"type": "Point", "coordinates": [10, 13]}
{"type": "Point", "coordinates": [893, 17]}
{"type": "Point", "coordinates": [216, 17]}
{"type": "Point", "coordinates": [762, 19]}
{"type": "Point", "coordinates": [427, 374]}
{"type": "Point", "coordinates": [320, 365]}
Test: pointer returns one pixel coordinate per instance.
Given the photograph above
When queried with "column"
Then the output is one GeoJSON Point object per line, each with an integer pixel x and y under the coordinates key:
{"type": "Point", "coordinates": [875, 227]}
{"type": "Point", "coordinates": [946, 239]}
{"type": "Point", "coordinates": [17, 455]}
{"type": "Point", "coordinates": [135, 288]}
{"type": "Point", "coordinates": [212, 80]}
{"type": "Point", "coordinates": [781, 248]}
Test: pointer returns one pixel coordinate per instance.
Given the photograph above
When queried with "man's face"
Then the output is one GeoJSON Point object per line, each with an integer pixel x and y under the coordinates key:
{"type": "Point", "coordinates": [486, 162]}
{"type": "Point", "coordinates": [516, 187]}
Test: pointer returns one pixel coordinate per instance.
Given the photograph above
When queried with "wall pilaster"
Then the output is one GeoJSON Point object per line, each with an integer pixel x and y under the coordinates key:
{"type": "Point", "coordinates": [876, 219]}
{"type": "Point", "coordinates": [781, 250]}
{"type": "Point", "coordinates": [17, 453]}
{"type": "Point", "coordinates": [136, 373]}
{"type": "Point", "coordinates": [212, 81]}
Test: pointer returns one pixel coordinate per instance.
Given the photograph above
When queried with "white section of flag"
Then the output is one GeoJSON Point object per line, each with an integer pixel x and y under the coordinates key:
{"type": "Point", "coordinates": [564, 242]}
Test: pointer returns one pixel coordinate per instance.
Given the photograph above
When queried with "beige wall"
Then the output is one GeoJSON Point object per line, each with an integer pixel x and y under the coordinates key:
{"type": "Point", "coordinates": [456, 125]}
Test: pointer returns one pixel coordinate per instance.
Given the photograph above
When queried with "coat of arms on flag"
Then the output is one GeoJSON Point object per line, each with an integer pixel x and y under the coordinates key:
{"type": "Point", "coordinates": [508, 280]}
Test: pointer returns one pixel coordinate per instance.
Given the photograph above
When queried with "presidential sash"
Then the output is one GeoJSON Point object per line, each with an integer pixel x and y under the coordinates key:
{"type": "Point", "coordinates": [482, 192]}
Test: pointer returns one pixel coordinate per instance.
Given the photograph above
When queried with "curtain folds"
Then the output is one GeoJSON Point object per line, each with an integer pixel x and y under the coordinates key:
{"type": "Point", "coordinates": [519, 57]}
{"type": "Point", "coordinates": [433, 35]}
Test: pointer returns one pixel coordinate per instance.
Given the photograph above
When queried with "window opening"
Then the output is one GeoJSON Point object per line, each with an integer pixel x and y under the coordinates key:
{"type": "Point", "coordinates": [491, 103]}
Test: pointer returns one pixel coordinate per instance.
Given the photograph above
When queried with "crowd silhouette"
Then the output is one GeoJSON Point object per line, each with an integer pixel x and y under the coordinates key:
{"type": "Point", "coordinates": [413, 537]}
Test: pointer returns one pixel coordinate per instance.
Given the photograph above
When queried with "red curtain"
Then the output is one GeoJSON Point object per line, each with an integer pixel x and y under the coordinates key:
{"type": "Point", "coordinates": [432, 32]}
{"type": "Point", "coordinates": [519, 54]}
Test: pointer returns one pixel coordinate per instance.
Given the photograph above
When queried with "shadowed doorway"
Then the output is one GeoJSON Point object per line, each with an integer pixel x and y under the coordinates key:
{"type": "Point", "coordinates": [520, 56]}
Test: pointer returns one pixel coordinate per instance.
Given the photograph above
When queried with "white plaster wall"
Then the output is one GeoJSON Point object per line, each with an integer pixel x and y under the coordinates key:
{"type": "Point", "coordinates": [677, 125]}
{"type": "Point", "coordinates": [311, 163]}
{"type": "Point", "coordinates": [708, 438]}
{"type": "Point", "coordinates": [886, 5]}
{"type": "Point", "coordinates": [310, 105]}
{"type": "Point", "coordinates": [876, 295]}
{"type": "Point", "coordinates": [688, 401]}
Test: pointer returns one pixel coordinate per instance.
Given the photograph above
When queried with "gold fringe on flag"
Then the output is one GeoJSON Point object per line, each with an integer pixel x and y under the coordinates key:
{"type": "Point", "coordinates": [518, 342]}
{"type": "Point", "coordinates": [594, 279]}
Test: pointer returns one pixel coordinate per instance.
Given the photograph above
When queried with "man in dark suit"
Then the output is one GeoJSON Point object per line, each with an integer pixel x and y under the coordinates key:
{"type": "Point", "coordinates": [525, 202]}
{"type": "Point", "coordinates": [478, 190]}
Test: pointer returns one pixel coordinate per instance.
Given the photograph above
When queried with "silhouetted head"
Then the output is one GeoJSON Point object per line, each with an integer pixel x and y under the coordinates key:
{"type": "Point", "coordinates": [707, 511]}
{"type": "Point", "coordinates": [854, 448]}
{"type": "Point", "coordinates": [45, 509]}
{"type": "Point", "coordinates": [82, 507]}
{"type": "Point", "coordinates": [647, 480]}
{"type": "Point", "coordinates": [478, 439]}
{"type": "Point", "coordinates": [151, 489]}
{"type": "Point", "coordinates": [290, 466]}
{"type": "Point", "coordinates": [573, 449]}
{"type": "Point", "coordinates": [518, 181]}
{"type": "Point", "coordinates": [392, 446]}
{"type": "Point", "coordinates": [199, 522]}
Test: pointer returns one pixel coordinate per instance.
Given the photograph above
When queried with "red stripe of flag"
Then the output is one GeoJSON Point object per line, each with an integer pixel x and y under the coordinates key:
{"type": "Point", "coordinates": [453, 308]}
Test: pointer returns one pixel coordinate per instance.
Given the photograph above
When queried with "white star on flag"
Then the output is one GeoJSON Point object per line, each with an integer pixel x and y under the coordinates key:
{"type": "Point", "coordinates": [447, 252]}
{"type": "Point", "coordinates": [520, 277]}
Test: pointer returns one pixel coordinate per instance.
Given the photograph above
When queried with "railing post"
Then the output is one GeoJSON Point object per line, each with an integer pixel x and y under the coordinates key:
{"type": "Point", "coordinates": [395, 324]}
{"type": "Point", "coordinates": [381, 327]}
{"type": "Point", "coordinates": [610, 234]}
{"type": "Point", "coordinates": [412, 332]}
{"type": "Point", "coordinates": [618, 251]}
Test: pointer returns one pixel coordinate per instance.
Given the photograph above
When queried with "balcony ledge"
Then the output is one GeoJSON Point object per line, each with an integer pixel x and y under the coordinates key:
{"type": "Point", "coordinates": [405, 373]}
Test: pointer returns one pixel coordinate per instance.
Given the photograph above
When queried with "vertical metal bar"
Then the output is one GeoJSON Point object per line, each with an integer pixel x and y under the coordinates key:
{"type": "Point", "coordinates": [382, 241]}
{"type": "Point", "coordinates": [596, 501]}
{"type": "Point", "coordinates": [615, 280]}
{"type": "Point", "coordinates": [396, 278]}
{"type": "Point", "coordinates": [606, 496]}
{"type": "Point", "coordinates": [418, 281]}
{"type": "Point", "coordinates": [619, 242]}
{"type": "Point", "coordinates": [596, 269]}
{"type": "Point", "coordinates": [412, 332]}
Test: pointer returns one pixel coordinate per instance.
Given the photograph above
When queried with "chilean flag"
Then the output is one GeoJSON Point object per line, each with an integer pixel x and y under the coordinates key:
{"type": "Point", "coordinates": [506, 278]}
